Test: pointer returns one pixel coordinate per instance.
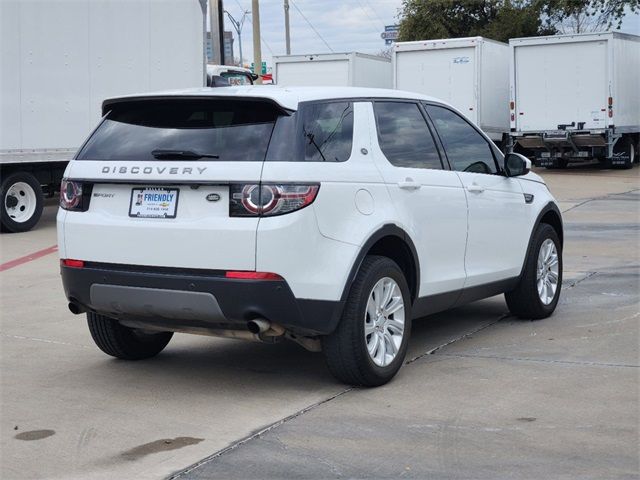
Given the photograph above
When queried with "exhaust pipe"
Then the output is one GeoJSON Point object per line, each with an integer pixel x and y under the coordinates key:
{"type": "Point", "coordinates": [258, 325]}
{"type": "Point", "coordinates": [76, 308]}
{"type": "Point", "coordinates": [264, 328]}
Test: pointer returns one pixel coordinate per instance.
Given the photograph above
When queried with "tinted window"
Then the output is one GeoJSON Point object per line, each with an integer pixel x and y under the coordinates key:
{"type": "Point", "coordinates": [404, 136]}
{"type": "Point", "coordinates": [327, 129]}
{"type": "Point", "coordinates": [232, 130]}
{"type": "Point", "coordinates": [317, 132]}
{"type": "Point", "coordinates": [466, 149]}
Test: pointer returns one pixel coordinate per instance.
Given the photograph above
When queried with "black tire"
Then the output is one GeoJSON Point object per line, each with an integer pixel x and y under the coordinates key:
{"type": "Point", "coordinates": [524, 301]}
{"type": "Point", "coordinates": [345, 349]}
{"type": "Point", "coordinates": [625, 149]}
{"type": "Point", "coordinates": [123, 342]}
{"type": "Point", "coordinates": [7, 223]}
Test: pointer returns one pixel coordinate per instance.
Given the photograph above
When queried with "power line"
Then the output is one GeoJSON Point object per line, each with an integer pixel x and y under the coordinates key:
{"type": "Point", "coordinates": [312, 27]}
{"type": "Point", "coordinates": [366, 12]}
{"type": "Point", "coordinates": [375, 12]}
{"type": "Point", "coordinates": [261, 37]}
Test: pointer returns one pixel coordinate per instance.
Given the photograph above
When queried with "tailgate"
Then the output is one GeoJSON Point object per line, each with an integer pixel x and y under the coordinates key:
{"type": "Point", "coordinates": [200, 235]}
{"type": "Point", "coordinates": [158, 178]}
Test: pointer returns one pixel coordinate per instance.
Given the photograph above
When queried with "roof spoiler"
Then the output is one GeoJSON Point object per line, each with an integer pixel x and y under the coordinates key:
{"type": "Point", "coordinates": [110, 103]}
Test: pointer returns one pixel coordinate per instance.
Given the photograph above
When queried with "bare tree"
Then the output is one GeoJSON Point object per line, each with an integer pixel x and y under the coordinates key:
{"type": "Point", "coordinates": [582, 16]}
{"type": "Point", "coordinates": [385, 52]}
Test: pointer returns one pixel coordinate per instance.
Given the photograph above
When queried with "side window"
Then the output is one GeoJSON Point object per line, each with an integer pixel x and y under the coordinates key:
{"type": "Point", "coordinates": [404, 136]}
{"type": "Point", "coordinates": [467, 150]}
{"type": "Point", "coordinates": [327, 130]}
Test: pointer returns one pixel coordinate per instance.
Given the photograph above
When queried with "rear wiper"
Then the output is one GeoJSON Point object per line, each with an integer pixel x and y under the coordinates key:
{"type": "Point", "coordinates": [187, 154]}
{"type": "Point", "coordinates": [312, 141]}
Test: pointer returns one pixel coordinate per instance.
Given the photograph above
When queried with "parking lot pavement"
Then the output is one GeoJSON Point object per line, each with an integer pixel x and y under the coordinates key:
{"type": "Point", "coordinates": [484, 395]}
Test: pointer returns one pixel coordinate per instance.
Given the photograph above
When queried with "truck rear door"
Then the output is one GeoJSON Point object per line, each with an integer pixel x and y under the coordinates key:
{"type": "Point", "coordinates": [560, 83]}
{"type": "Point", "coordinates": [325, 72]}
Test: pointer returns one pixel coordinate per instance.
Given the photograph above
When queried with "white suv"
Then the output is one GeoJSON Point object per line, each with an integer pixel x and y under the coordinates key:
{"type": "Point", "coordinates": [327, 216]}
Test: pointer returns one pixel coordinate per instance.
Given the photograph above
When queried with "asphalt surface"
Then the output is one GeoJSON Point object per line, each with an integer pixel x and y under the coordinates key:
{"type": "Point", "coordinates": [483, 395]}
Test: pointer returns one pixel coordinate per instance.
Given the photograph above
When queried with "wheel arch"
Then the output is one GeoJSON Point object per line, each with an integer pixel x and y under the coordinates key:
{"type": "Point", "coordinates": [550, 215]}
{"type": "Point", "coordinates": [393, 242]}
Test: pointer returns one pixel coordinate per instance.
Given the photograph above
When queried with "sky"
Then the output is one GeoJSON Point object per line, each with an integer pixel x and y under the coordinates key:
{"type": "Point", "coordinates": [345, 25]}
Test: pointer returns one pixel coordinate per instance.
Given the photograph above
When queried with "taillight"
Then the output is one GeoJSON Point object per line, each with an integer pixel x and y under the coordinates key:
{"type": "Point", "coordinates": [268, 200]}
{"type": "Point", "coordinates": [74, 195]}
{"type": "Point", "coordinates": [68, 262]}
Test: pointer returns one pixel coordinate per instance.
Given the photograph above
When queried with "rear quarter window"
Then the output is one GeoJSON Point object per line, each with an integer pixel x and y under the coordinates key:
{"type": "Point", "coordinates": [317, 132]}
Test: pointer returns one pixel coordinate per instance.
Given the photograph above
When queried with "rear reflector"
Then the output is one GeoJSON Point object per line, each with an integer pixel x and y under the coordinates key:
{"type": "Point", "coordinates": [253, 275]}
{"type": "Point", "coordinates": [67, 262]}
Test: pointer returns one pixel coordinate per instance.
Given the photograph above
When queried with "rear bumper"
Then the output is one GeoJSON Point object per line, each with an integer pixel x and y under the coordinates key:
{"type": "Point", "coordinates": [199, 299]}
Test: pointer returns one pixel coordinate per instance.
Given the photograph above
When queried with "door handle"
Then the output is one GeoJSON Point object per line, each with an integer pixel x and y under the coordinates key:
{"type": "Point", "coordinates": [409, 184]}
{"type": "Point", "coordinates": [475, 188]}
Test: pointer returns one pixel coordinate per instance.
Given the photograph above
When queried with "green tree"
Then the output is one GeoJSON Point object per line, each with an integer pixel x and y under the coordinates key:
{"type": "Point", "coordinates": [504, 19]}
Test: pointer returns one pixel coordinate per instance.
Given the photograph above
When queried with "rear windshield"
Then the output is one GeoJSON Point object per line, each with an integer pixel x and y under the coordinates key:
{"type": "Point", "coordinates": [216, 129]}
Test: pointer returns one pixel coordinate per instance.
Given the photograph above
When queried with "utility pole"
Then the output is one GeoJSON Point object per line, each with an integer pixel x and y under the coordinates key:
{"type": "Point", "coordinates": [286, 27]}
{"type": "Point", "coordinates": [203, 6]}
{"type": "Point", "coordinates": [238, 26]}
{"type": "Point", "coordinates": [217, 42]}
{"type": "Point", "coordinates": [257, 52]}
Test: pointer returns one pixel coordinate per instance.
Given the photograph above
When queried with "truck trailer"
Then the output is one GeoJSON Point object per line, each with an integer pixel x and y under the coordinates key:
{"type": "Point", "coordinates": [575, 98]}
{"type": "Point", "coordinates": [332, 70]}
{"type": "Point", "coordinates": [472, 74]}
{"type": "Point", "coordinates": [59, 60]}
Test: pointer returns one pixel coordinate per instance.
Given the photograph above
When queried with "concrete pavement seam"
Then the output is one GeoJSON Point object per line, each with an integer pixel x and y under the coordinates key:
{"type": "Point", "coordinates": [541, 360]}
{"type": "Point", "coordinates": [461, 337]}
{"type": "Point", "coordinates": [43, 340]}
{"type": "Point", "coordinates": [254, 435]}
{"type": "Point", "coordinates": [604, 197]}
{"type": "Point", "coordinates": [580, 280]}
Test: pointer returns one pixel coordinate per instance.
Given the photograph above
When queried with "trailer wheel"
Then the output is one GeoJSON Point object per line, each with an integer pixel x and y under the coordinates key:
{"type": "Point", "coordinates": [22, 202]}
{"type": "Point", "coordinates": [624, 153]}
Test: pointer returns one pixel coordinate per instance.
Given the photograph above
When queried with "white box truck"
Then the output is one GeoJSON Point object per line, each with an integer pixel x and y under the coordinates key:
{"type": "Point", "coordinates": [332, 70]}
{"type": "Point", "coordinates": [576, 98]}
{"type": "Point", "coordinates": [472, 74]}
{"type": "Point", "coordinates": [59, 60]}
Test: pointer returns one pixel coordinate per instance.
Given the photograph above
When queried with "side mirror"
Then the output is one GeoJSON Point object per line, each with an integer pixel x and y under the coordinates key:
{"type": "Point", "coordinates": [516, 165]}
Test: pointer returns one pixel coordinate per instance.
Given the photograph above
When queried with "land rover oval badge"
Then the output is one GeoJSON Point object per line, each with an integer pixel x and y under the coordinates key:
{"type": "Point", "coordinates": [213, 197]}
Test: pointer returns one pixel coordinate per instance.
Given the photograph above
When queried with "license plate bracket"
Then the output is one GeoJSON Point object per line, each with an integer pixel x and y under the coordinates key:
{"type": "Point", "coordinates": [154, 202]}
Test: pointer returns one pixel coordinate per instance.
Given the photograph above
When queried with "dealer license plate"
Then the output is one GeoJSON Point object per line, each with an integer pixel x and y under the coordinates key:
{"type": "Point", "coordinates": [154, 202]}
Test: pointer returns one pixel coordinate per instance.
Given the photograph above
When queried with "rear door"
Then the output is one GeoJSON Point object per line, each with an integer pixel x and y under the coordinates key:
{"type": "Point", "coordinates": [429, 199]}
{"type": "Point", "coordinates": [447, 74]}
{"type": "Point", "coordinates": [161, 175]}
{"type": "Point", "coordinates": [561, 83]}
